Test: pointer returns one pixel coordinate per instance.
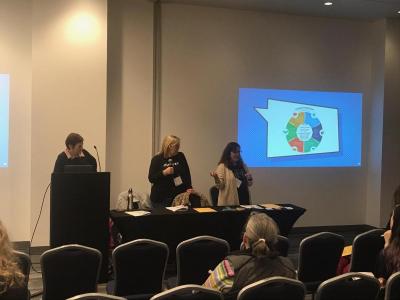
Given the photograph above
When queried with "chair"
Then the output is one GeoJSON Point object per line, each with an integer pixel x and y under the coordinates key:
{"type": "Point", "coordinates": [349, 286]}
{"type": "Point", "coordinates": [69, 270]}
{"type": "Point", "coordinates": [366, 247]}
{"type": "Point", "coordinates": [96, 296]}
{"type": "Point", "coordinates": [214, 192]}
{"type": "Point", "coordinates": [276, 288]}
{"type": "Point", "coordinates": [139, 268]}
{"type": "Point", "coordinates": [24, 263]}
{"type": "Point", "coordinates": [196, 256]}
{"type": "Point", "coordinates": [189, 292]}
{"type": "Point", "coordinates": [319, 255]}
{"type": "Point", "coordinates": [282, 246]}
{"type": "Point", "coordinates": [393, 287]}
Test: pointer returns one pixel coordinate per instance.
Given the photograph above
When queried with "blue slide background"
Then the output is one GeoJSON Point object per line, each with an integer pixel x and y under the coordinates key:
{"type": "Point", "coordinates": [4, 119]}
{"type": "Point", "coordinates": [253, 128]}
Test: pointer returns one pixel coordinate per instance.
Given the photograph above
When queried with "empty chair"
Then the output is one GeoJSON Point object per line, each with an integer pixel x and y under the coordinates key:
{"type": "Point", "coordinates": [350, 286]}
{"type": "Point", "coordinates": [366, 247]}
{"type": "Point", "coordinates": [69, 270]}
{"type": "Point", "coordinates": [319, 255]}
{"type": "Point", "coordinates": [274, 288]}
{"type": "Point", "coordinates": [282, 246]}
{"type": "Point", "coordinates": [214, 195]}
{"type": "Point", "coordinates": [96, 296]}
{"type": "Point", "coordinates": [189, 292]}
{"type": "Point", "coordinates": [139, 268]}
{"type": "Point", "coordinates": [24, 263]}
{"type": "Point", "coordinates": [393, 287]}
{"type": "Point", "coordinates": [195, 257]}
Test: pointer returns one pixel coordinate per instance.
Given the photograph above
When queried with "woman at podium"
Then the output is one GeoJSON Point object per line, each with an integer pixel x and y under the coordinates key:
{"type": "Point", "coordinates": [169, 173]}
{"type": "Point", "coordinates": [74, 155]}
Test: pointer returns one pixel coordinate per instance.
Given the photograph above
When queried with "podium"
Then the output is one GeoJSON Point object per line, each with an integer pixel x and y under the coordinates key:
{"type": "Point", "coordinates": [79, 212]}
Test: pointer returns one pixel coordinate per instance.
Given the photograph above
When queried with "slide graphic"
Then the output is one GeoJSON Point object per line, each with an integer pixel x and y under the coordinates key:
{"type": "Point", "coordinates": [291, 128]}
{"type": "Point", "coordinates": [4, 103]}
{"type": "Point", "coordinates": [295, 129]}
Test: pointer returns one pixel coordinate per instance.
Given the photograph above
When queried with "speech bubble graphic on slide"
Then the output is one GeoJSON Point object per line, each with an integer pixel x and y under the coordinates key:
{"type": "Point", "coordinates": [299, 129]}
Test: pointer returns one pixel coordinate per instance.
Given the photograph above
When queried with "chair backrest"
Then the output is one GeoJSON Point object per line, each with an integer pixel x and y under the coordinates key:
{"type": "Point", "coordinates": [69, 270]}
{"type": "Point", "coordinates": [277, 288]}
{"type": "Point", "coordinates": [24, 263]}
{"type": "Point", "coordinates": [282, 246]}
{"type": "Point", "coordinates": [214, 192]}
{"type": "Point", "coordinates": [96, 296]}
{"type": "Point", "coordinates": [366, 247]}
{"type": "Point", "coordinates": [393, 287]}
{"type": "Point", "coordinates": [196, 256]}
{"type": "Point", "coordinates": [139, 267]}
{"type": "Point", "coordinates": [319, 255]}
{"type": "Point", "coordinates": [349, 286]}
{"type": "Point", "coordinates": [189, 292]}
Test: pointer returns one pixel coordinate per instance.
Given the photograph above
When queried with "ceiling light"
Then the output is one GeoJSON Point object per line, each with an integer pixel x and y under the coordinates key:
{"type": "Point", "coordinates": [328, 3]}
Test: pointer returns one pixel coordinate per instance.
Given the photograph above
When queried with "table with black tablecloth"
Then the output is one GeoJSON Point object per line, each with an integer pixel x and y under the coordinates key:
{"type": "Point", "coordinates": [174, 227]}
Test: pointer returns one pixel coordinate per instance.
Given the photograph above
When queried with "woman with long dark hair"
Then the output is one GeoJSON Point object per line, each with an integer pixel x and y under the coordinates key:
{"type": "Point", "coordinates": [390, 258]}
{"type": "Point", "coordinates": [232, 177]}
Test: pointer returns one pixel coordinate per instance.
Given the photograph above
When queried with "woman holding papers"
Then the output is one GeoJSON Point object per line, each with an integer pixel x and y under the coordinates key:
{"type": "Point", "coordinates": [169, 173]}
{"type": "Point", "coordinates": [232, 177]}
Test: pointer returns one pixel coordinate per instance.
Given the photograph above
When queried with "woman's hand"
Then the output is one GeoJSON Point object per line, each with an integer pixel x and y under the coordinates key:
{"type": "Point", "coordinates": [382, 281]}
{"type": "Point", "coordinates": [168, 171]}
{"type": "Point", "coordinates": [215, 176]}
{"type": "Point", "coordinates": [386, 236]}
{"type": "Point", "coordinates": [249, 179]}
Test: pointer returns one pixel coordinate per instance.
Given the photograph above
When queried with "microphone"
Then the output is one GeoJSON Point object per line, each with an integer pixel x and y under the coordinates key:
{"type": "Point", "coordinates": [98, 158]}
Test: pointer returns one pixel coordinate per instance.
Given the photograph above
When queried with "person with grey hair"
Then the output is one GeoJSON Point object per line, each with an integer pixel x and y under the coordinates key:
{"type": "Point", "coordinates": [256, 260]}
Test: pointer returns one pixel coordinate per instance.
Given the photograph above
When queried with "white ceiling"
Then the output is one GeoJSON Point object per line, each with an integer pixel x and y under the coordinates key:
{"type": "Point", "coordinates": [358, 9]}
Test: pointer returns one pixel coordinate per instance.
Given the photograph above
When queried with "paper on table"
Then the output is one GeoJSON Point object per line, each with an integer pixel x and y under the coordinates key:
{"type": "Point", "coordinates": [251, 206]}
{"type": "Point", "coordinates": [271, 206]}
{"type": "Point", "coordinates": [137, 213]}
{"type": "Point", "coordinates": [204, 209]}
{"type": "Point", "coordinates": [177, 208]}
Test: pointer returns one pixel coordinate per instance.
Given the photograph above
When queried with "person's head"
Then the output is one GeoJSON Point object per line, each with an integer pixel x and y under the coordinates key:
{"type": "Point", "coordinates": [170, 146]}
{"type": "Point", "coordinates": [231, 154]}
{"type": "Point", "coordinates": [392, 251]}
{"type": "Point", "coordinates": [396, 196]}
{"type": "Point", "coordinates": [260, 235]}
{"type": "Point", "coordinates": [74, 143]}
{"type": "Point", "coordinates": [10, 273]}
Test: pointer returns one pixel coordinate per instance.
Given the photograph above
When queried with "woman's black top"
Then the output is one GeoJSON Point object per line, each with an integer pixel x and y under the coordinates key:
{"type": "Point", "coordinates": [63, 160]}
{"type": "Point", "coordinates": [243, 189]}
{"type": "Point", "coordinates": [165, 187]}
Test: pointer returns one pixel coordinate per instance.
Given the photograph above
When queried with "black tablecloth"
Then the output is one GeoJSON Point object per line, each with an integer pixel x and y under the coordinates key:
{"type": "Point", "coordinates": [174, 227]}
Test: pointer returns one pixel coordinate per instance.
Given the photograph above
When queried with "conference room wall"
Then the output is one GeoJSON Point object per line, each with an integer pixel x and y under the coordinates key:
{"type": "Point", "coordinates": [391, 141]}
{"type": "Point", "coordinates": [15, 60]}
{"type": "Point", "coordinates": [129, 94]}
{"type": "Point", "coordinates": [209, 53]}
{"type": "Point", "coordinates": [69, 61]}
{"type": "Point", "coordinates": [375, 113]}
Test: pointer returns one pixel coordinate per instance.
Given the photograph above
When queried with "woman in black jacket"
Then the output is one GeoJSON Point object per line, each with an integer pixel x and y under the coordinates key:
{"type": "Point", "coordinates": [169, 173]}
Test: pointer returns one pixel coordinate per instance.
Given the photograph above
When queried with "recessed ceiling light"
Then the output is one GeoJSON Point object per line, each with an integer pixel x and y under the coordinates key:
{"type": "Point", "coordinates": [328, 3]}
{"type": "Point", "coordinates": [398, 12]}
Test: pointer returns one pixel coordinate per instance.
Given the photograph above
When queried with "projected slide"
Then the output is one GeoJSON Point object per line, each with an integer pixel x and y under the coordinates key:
{"type": "Point", "coordinates": [4, 103]}
{"type": "Point", "coordinates": [285, 128]}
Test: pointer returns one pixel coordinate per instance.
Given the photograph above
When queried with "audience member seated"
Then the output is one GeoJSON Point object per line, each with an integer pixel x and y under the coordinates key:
{"type": "Point", "coordinates": [389, 260]}
{"type": "Point", "coordinates": [12, 284]}
{"type": "Point", "coordinates": [255, 261]}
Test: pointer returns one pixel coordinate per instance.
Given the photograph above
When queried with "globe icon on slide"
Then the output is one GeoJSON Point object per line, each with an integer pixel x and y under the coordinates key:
{"type": "Point", "coordinates": [304, 131]}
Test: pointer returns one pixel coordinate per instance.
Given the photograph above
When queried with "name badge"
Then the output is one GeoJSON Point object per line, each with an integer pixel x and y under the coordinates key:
{"type": "Point", "coordinates": [238, 183]}
{"type": "Point", "coordinates": [178, 181]}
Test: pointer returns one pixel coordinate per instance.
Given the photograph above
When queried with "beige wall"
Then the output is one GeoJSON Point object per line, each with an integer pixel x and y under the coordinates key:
{"type": "Point", "coordinates": [130, 85]}
{"type": "Point", "coordinates": [68, 87]}
{"type": "Point", "coordinates": [15, 59]}
{"type": "Point", "coordinates": [209, 53]}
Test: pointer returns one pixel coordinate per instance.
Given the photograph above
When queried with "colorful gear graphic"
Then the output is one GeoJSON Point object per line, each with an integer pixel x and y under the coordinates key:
{"type": "Point", "coordinates": [304, 131]}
